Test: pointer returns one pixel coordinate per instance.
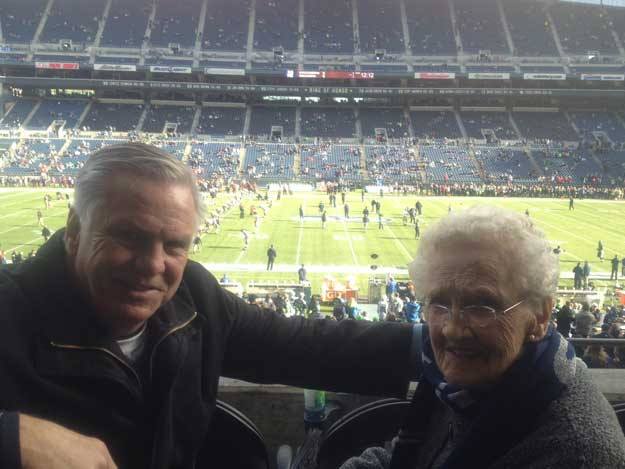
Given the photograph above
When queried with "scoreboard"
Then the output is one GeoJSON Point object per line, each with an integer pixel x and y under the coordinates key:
{"type": "Point", "coordinates": [331, 74]}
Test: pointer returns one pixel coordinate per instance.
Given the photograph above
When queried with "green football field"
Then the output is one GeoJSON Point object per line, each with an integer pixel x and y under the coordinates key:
{"type": "Point", "coordinates": [344, 248]}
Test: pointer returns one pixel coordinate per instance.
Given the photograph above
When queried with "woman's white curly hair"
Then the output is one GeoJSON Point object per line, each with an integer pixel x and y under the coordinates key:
{"type": "Point", "coordinates": [513, 235]}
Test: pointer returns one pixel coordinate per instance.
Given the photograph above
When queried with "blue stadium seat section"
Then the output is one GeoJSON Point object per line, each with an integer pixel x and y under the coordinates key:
{"type": "Point", "coordinates": [589, 122]}
{"type": "Point", "coordinates": [448, 164]}
{"type": "Point", "coordinates": [126, 24]}
{"type": "Point", "coordinates": [18, 113]}
{"type": "Point", "coordinates": [544, 125]}
{"type": "Point", "coordinates": [51, 110]}
{"type": "Point", "coordinates": [530, 29]}
{"type": "Point", "coordinates": [76, 20]}
{"type": "Point", "coordinates": [226, 25]}
{"type": "Point", "coordinates": [215, 159]}
{"type": "Point", "coordinates": [583, 28]}
{"type": "Point", "coordinates": [328, 27]}
{"type": "Point", "coordinates": [20, 19]}
{"type": "Point", "coordinates": [112, 117]}
{"type": "Point", "coordinates": [380, 26]}
{"type": "Point", "coordinates": [390, 119]}
{"type": "Point", "coordinates": [176, 23]}
{"type": "Point", "coordinates": [505, 164]}
{"type": "Point", "coordinates": [475, 122]}
{"type": "Point", "coordinates": [221, 121]}
{"type": "Point", "coordinates": [389, 164]}
{"type": "Point", "coordinates": [264, 118]}
{"type": "Point", "coordinates": [159, 115]}
{"type": "Point", "coordinates": [327, 161]}
{"type": "Point", "coordinates": [276, 25]}
{"type": "Point", "coordinates": [480, 26]}
{"type": "Point", "coordinates": [430, 28]}
{"type": "Point", "coordinates": [328, 123]}
{"type": "Point", "coordinates": [435, 125]}
{"type": "Point", "coordinates": [270, 160]}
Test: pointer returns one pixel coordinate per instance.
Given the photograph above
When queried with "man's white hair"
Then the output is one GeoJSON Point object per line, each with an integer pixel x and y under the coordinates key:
{"type": "Point", "coordinates": [135, 159]}
{"type": "Point", "coordinates": [513, 235]}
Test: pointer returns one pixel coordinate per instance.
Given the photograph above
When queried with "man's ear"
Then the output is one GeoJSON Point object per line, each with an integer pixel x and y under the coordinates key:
{"type": "Point", "coordinates": [72, 232]}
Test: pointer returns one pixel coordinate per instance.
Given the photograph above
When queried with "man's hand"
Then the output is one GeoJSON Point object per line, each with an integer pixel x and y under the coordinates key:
{"type": "Point", "coordinates": [44, 444]}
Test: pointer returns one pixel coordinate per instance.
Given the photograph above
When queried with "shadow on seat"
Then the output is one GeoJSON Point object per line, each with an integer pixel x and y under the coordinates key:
{"type": "Point", "coordinates": [370, 425]}
{"type": "Point", "coordinates": [233, 442]}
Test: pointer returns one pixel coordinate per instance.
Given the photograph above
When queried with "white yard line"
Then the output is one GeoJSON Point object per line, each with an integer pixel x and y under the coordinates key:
{"type": "Point", "coordinates": [38, 238]}
{"type": "Point", "coordinates": [299, 236]}
{"type": "Point", "coordinates": [399, 243]}
{"type": "Point", "coordinates": [589, 241]}
{"type": "Point", "coordinates": [351, 244]}
{"type": "Point", "coordinates": [12, 214]}
{"type": "Point", "coordinates": [12, 229]}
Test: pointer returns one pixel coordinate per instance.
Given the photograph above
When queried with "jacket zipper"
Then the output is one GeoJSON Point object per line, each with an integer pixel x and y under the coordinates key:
{"type": "Point", "coordinates": [106, 351]}
{"type": "Point", "coordinates": [170, 332]}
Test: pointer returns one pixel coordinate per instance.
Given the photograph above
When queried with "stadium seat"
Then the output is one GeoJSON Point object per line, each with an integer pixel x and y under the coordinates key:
{"type": "Point", "coordinates": [234, 442]}
{"type": "Point", "coordinates": [370, 425]}
{"type": "Point", "coordinates": [619, 408]}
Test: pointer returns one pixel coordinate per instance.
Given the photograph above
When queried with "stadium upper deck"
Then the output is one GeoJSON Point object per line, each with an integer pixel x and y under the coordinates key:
{"type": "Point", "coordinates": [395, 34]}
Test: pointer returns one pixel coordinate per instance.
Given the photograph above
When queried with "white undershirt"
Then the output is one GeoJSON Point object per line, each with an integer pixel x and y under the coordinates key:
{"type": "Point", "coordinates": [132, 347]}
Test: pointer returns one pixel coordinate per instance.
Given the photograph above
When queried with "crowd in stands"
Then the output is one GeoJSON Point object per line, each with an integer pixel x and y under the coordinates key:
{"type": "Point", "coordinates": [584, 320]}
{"type": "Point", "coordinates": [330, 162]}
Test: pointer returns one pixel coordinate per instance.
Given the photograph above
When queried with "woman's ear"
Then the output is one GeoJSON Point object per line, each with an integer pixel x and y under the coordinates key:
{"type": "Point", "coordinates": [543, 317]}
{"type": "Point", "coordinates": [72, 232]}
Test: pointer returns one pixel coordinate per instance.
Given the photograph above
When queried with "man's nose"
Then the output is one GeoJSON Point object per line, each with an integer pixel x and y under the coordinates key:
{"type": "Point", "coordinates": [152, 259]}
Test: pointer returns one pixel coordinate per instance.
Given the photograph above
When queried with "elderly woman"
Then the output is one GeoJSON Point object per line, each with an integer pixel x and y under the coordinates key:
{"type": "Point", "coordinates": [500, 387]}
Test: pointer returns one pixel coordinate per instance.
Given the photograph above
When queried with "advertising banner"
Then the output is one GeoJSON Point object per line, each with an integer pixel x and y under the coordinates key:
{"type": "Point", "coordinates": [434, 76]}
{"type": "Point", "coordinates": [239, 72]}
{"type": "Point", "coordinates": [169, 69]}
{"type": "Point", "coordinates": [602, 77]}
{"type": "Point", "coordinates": [115, 67]}
{"type": "Point", "coordinates": [58, 65]}
{"type": "Point", "coordinates": [544, 76]}
{"type": "Point", "coordinates": [489, 76]}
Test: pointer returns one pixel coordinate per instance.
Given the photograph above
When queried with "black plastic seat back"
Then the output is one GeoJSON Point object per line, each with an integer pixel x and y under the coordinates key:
{"type": "Point", "coordinates": [619, 408]}
{"type": "Point", "coordinates": [370, 425]}
{"type": "Point", "coordinates": [233, 442]}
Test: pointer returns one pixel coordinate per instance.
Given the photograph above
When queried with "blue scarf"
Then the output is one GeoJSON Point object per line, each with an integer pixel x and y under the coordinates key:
{"type": "Point", "coordinates": [507, 412]}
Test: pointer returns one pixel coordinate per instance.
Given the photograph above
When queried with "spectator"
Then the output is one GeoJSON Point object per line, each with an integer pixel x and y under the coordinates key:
{"type": "Point", "coordinates": [382, 307]}
{"type": "Point", "coordinates": [503, 343]}
{"type": "Point", "coordinates": [584, 321]}
{"type": "Point", "coordinates": [339, 310]}
{"type": "Point", "coordinates": [391, 286]}
{"type": "Point", "coordinates": [578, 275]}
{"type": "Point", "coordinates": [114, 288]}
{"type": "Point", "coordinates": [301, 274]}
{"type": "Point", "coordinates": [565, 319]}
{"type": "Point", "coordinates": [271, 257]}
{"type": "Point", "coordinates": [615, 266]}
{"type": "Point", "coordinates": [412, 310]}
{"type": "Point", "coordinates": [596, 357]}
{"type": "Point", "coordinates": [586, 271]}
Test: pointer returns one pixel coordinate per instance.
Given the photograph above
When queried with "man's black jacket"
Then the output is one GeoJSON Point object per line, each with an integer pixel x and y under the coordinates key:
{"type": "Point", "coordinates": [56, 364]}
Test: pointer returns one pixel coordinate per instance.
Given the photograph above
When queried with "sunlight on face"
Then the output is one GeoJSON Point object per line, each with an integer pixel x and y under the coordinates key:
{"type": "Point", "coordinates": [473, 274]}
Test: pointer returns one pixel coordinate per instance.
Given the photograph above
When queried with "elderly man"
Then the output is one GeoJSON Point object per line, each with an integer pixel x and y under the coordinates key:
{"type": "Point", "coordinates": [500, 387]}
{"type": "Point", "coordinates": [112, 341]}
